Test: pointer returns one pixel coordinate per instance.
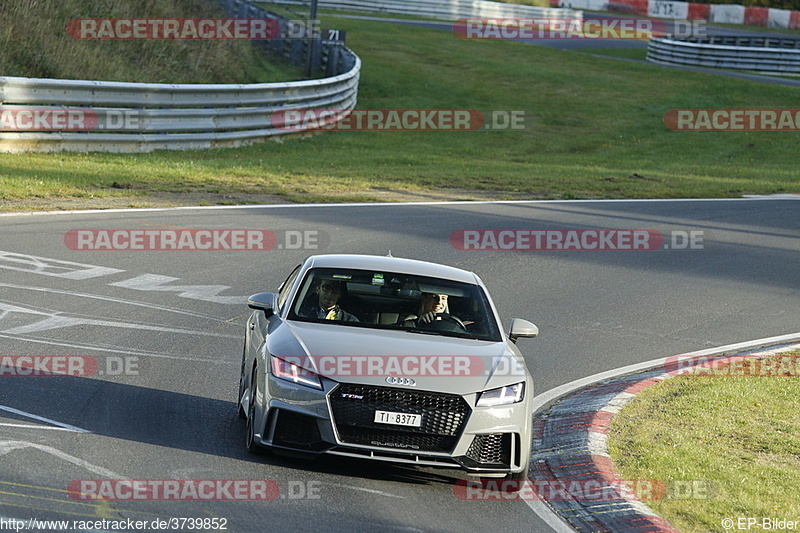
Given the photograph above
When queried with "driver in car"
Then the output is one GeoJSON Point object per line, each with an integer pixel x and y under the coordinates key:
{"type": "Point", "coordinates": [430, 305]}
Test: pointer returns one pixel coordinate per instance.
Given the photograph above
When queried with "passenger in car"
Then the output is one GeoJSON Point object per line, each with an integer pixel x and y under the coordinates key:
{"type": "Point", "coordinates": [327, 305]}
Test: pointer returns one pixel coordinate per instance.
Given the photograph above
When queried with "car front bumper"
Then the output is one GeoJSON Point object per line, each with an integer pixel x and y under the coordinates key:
{"type": "Point", "coordinates": [339, 420]}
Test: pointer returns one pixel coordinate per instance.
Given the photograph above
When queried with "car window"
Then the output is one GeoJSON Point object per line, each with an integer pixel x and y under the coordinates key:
{"type": "Point", "coordinates": [286, 287]}
{"type": "Point", "coordinates": [390, 300]}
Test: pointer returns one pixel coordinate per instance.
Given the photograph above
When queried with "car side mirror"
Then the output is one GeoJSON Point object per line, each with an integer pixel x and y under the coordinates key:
{"type": "Point", "coordinates": [522, 328]}
{"type": "Point", "coordinates": [264, 301]}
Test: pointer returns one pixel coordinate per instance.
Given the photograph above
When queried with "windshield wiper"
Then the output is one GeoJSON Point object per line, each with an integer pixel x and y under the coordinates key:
{"type": "Point", "coordinates": [455, 334]}
{"type": "Point", "coordinates": [424, 331]}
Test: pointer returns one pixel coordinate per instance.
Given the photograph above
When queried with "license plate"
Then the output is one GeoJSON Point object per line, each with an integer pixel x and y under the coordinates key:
{"type": "Point", "coordinates": [398, 419]}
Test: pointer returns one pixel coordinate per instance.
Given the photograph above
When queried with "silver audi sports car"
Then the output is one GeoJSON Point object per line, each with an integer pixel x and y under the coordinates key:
{"type": "Point", "coordinates": [389, 359]}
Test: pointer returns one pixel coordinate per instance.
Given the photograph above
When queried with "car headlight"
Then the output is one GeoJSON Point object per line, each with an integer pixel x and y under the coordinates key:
{"type": "Point", "coordinates": [502, 395]}
{"type": "Point", "coordinates": [287, 371]}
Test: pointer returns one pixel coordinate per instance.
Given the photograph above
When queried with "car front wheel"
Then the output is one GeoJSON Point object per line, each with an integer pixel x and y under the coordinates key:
{"type": "Point", "coordinates": [240, 410]}
{"type": "Point", "coordinates": [250, 442]}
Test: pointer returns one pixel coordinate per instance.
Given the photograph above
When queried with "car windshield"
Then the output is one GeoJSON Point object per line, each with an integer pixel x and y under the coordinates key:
{"type": "Point", "coordinates": [389, 300]}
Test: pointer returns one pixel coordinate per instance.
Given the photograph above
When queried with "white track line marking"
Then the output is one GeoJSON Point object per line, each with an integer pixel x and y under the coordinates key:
{"type": "Point", "coordinates": [114, 300]}
{"type": "Point", "coordinates": [111, 349]}
{"type": "Point", "coordinates": [364, 489]}
{"type": "Point", "coordinates": [53, 267]}
{"type": "Point", "coordinates": [56, 320]}
{"type": "Point", "coordinates": [158, 283]}
{"type": "Point", "coordinates": [7, 446]}
{"type": "Point", "coordinates": [29, 426]}
{"type": "Point", "coordinates": [68, 427]}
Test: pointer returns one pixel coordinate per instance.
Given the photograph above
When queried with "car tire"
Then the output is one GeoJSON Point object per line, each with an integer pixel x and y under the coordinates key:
{"type": "Point", "coordinates": [250, 442]}
{"type": "Point", "coordinates": [240, 410]}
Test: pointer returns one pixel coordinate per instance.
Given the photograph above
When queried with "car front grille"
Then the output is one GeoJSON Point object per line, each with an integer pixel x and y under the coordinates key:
{"type": "Point", "coordinates": [443, 417]}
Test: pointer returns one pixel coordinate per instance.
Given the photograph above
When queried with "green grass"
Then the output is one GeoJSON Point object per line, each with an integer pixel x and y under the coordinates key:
{"type": "Point", "coordinates": [34, 42]}
{"type": "Point", "coordinates": [624, 53]}
{"type": "Point", "coordinates": [594, 130]}
{"type": "Point", "coordinates": [738, 437]}
{"type": "Point", "coordinates": [751, 28]}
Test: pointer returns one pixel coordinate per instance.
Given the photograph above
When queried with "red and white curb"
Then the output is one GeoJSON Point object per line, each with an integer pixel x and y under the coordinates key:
{"type": "Point", "coordinates": [571, 428]}
{"type": "Point", "coordinates": [719, 13]}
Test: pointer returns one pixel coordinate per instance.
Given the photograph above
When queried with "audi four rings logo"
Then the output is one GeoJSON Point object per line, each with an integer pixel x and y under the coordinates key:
{"type": "Point", "coordinates": [408, 382]}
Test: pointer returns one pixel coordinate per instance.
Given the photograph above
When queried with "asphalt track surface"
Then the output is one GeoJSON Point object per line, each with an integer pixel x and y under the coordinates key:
{"type": "Point", "coordinates": [179, 317]}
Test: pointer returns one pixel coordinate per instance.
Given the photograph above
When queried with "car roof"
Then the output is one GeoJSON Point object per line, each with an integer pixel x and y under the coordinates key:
{"type": "Point", "coordinates": [392, 264]}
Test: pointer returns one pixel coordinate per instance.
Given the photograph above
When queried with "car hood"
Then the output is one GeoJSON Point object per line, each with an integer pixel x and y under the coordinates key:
{"type": "Point", "coordinates": [368, 356]}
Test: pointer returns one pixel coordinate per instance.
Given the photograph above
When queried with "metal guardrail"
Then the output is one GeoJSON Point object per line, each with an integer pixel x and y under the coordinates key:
{"type": "Point", "coordinates": [755, 41]}
{"type": "Point", "coordinates": [769, 55]}
{"type": "Point", "coordinates": [445, 9]}
{"type": "Point", "coordinates": [141, 117]}
{"type": "Point", "coordinates": [108, 116]}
